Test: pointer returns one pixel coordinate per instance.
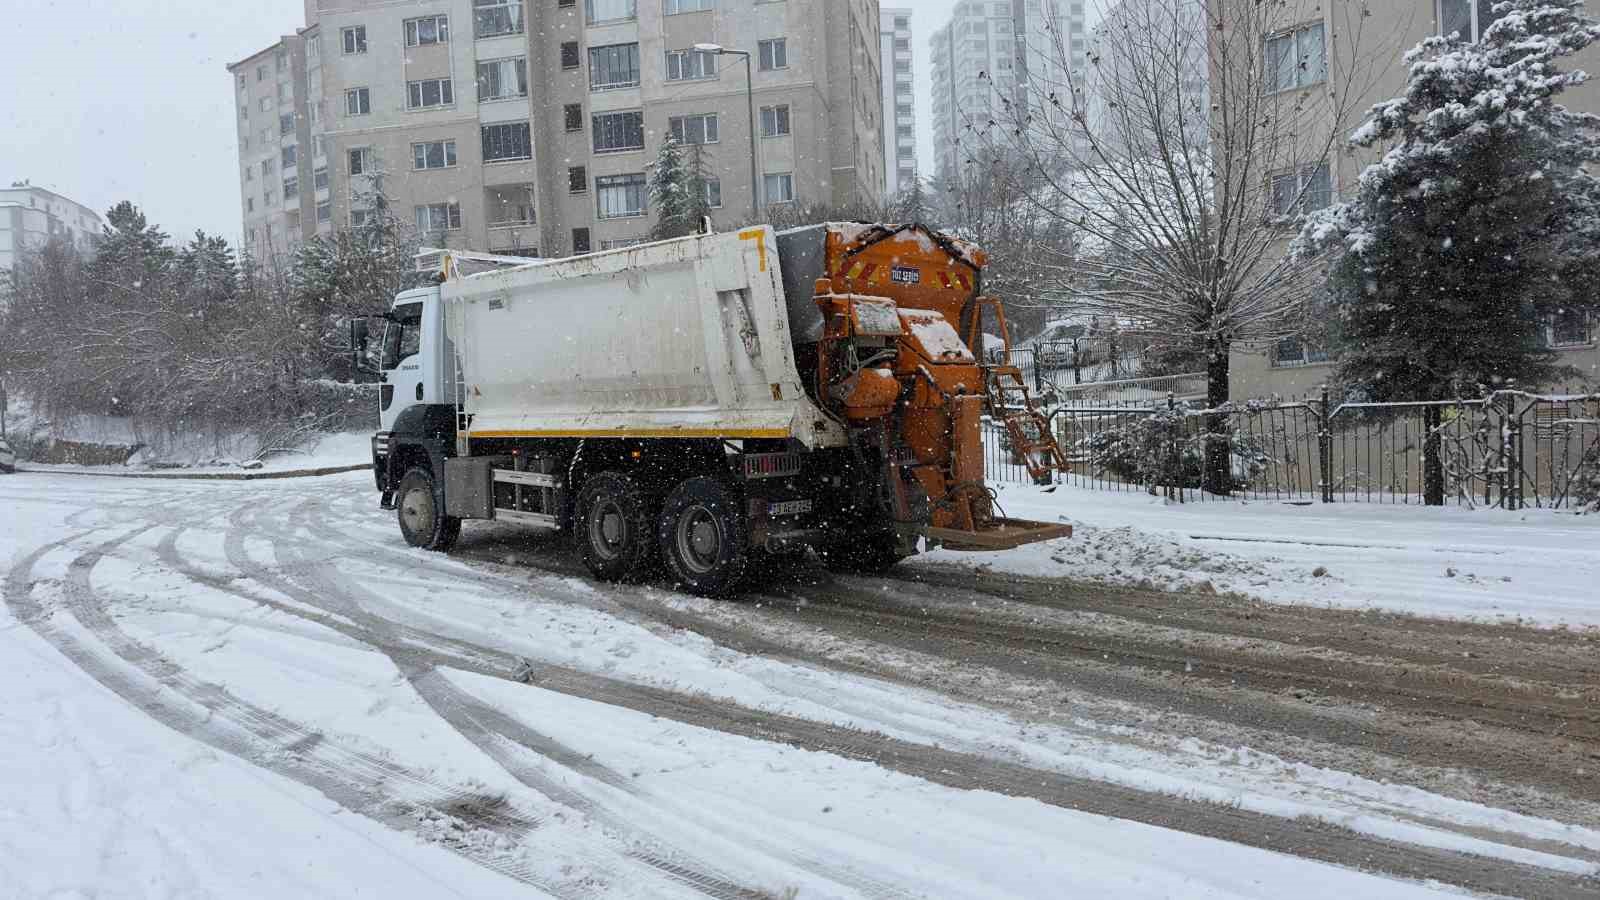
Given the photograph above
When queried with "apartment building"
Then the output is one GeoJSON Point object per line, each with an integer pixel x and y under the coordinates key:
{"type": "Point", "coordinates": [285, 179]}
{"type": "Point", "coordinates": [899, 103]}
{"type": "Point", "coordinates": [529, 127]}
{"type": "Point", "coordinates": [1357, 48]}
{"type": "Point", "coordinates": [1022, 50]}
{"type": "Point", "coordinates": [31, 216]}
{"type": "Point", "coordinates": [1132, 40]}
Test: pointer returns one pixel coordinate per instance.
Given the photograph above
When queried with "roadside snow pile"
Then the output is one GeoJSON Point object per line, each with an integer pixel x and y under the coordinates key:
{"type": "Point", "coordinates": [1126, 555]}
{"type": "Point", "coordinates": [318, 452]}
{"type": "Point", "coordinates": [1536, 567]}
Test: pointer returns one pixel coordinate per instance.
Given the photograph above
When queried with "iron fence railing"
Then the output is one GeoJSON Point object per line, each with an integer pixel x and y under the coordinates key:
{"type": "Point", "coordinates": [1512, 449]}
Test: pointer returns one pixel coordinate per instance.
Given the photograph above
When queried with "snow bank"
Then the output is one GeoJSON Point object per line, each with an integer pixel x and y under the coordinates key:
{"type": "Point", "coordinates": [1536, 567]}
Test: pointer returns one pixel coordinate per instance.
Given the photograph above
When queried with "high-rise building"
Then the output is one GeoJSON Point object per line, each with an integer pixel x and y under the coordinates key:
{"type": "Point", "coordinates": [1024, 51]}
{"type": "Point", "coordinates": [285, 180]}
{"type": "Point", "coordinates": [899, 106]}
{"type": "Point", "coordinates": [1151, 56]}
{"type": "Point", "coordinates": [530, 128]}
{"type": "Point", "coordinates": [32, 216]}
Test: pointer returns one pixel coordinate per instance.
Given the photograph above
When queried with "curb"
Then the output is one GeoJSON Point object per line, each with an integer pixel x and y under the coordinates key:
{"type": "Point", "coordinates": [209, 476]}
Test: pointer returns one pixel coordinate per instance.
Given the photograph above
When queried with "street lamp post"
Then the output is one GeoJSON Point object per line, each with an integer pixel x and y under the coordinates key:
{"type": "Point", "coordinates": [750, 97]}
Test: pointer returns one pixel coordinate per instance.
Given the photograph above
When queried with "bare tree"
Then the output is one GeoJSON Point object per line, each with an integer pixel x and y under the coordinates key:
{"type": "Point", "coordinates": [1180, 159]}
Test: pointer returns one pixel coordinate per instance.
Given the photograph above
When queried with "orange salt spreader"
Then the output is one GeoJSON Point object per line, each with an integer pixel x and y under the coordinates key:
{"type": "Point", "coordinates": [901, 313]}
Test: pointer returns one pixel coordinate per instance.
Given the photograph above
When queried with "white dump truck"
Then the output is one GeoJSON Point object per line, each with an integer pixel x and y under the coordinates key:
{"type": "Point", "coordinates": [701, 403]}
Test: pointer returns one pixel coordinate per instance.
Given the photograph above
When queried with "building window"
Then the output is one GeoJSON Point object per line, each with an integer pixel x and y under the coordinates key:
{"type": "Point", "coordinates": [250, 207]}
{"type": "Point", "coordinates": [242, 81]}
{"type": "Point", "coordinates": [266, 137]}
{"type": "Point", "coordinates": [1468, 18]}
{"type": "Point", "coordinates": [266, 197]}
{"type": "Point", "coordinates": [1293, 193]}
{"type": "Point", "coordinates": [266, 168]}
{"type": "Point", "coordinates": [289, 153]}
{"type": "Point", "coordinates": [578, 180]}
{"type": "Point", "coordinates": [492, 18]}
{"type": "Point", "coordinates": [620, 196]}
{"type": "Point", "coordinates": [902, 43]}
{"type": "Point", "coordinates": [714, 193]}
{"type": "Point", "coordinates": [291, 187]}
{"type": "Point", "coordinates": [506, 142]}
{"type": "Point", "coordinates": [503, 79]}
{"type": "Point", "coordinates": [249, 173]}
{"type": "Point", "coordinates": [901, 22]}
{"type": "Point", "coordinates": [696, 129]}
{"type": "Point", "coordinates": [509, 206]}
{"type": "Point", "coordinates": [566, 4]}
{"type": "Point", "coordinates": [1296, 59]}
{"type": "Point", "coordinates": [325, 211]}
{"type": "Point", "coordinates": [438, 217]}
{"type": "Point", "coordinates": [427, 30]}
{"type": "Point", "coordinates": [357, 102]}
{"type": "Point", "coordinates": [774, 54]}
{"type": "Point", "coordinates": [429, 92]}
{"type": "Point", "coordinates": [261, 73]}
{"type": "Point", "coordinates": [574, 116]}
{"type": "Point", "coordinates": [318, 145]}
{"type": "Point", "coordinates": [673, 7]}
{"type": "Point", "coordinates": [266, 103]}
{"type": "Point", "coordinates": [244, 112]}
{"type": "Point", "coordinates": [613, 66]}
{"type": "Point", "coordinates": [1568, 328]}
{"type": "Point", "coordinates": [775, 120]}
{"type": "Point", "coordinates": [355, 39]}
{"type": "Point", "coordinates": [598, 11]}
{"type": "Point", "coordinates": [360, 160]}
{"type": "Point", "coordinates": [286, 124]}
{"type": "Point", "coordinates": [687, 65]}
{"type": "Point", "coordinates": [359, 217]}
{"type": "Point", "coordinates": [618, 131]}
{"type": "Point", "coordinates": [778, 188]}
{"type": "Point", "coordinates": [433, 155]}
{"type": "Point", "coordinates": [1292, 351]}
{"type": "Point", "coordinates": [320, 177]}
{"type": "Point", "coordinates": [580, 240]}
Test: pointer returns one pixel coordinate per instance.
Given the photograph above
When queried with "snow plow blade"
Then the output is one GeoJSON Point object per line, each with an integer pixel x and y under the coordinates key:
{"type": "Point", "coordinates": [1001, 534]}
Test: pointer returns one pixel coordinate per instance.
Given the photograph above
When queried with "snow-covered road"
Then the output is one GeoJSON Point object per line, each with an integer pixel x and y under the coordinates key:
{"type": "Point", "coordinates": [255, 689]}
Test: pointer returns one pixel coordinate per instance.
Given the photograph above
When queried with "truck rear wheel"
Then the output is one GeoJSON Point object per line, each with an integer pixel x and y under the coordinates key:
{"type": "Point", "coordinates": [420, 508]}
{"type": "Point", "coordinates": [703, 536]}
{"type": "Point", "coordinates": [614, 527]}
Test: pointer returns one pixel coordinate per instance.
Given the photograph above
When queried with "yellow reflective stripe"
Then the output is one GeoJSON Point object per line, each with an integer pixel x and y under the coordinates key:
{"type": "Point", "coordinates": [636, 433]}
{"type": "Point", "coordinates": [755, 234]}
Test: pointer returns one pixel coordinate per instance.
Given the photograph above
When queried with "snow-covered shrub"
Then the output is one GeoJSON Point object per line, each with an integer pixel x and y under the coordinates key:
{"type": "Point", "coordinates": [1586, 482]}
{"type": "Point", "coordinates": [1166, 448]}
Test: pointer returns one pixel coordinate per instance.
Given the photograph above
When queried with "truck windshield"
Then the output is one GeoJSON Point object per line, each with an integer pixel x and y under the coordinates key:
{"type": "Point", "coordinates": [403, 336]}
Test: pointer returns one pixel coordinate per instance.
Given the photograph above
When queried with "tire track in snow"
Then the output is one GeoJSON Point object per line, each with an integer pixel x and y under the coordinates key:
{"type": "Point", "coordinates": [1312, 839]}
{"type": "Point", "coordinates": [357, 781]}
{"type": "Point", "coordinates": [486, 728]}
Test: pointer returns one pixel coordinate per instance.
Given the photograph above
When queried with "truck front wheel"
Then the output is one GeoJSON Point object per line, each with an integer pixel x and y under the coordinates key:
{"type": "Point", "coordinates": [420, 508]}
{"type": "Point", "coordinates": [703, 536]}
{"type": "Point", "coordinates": [613, 526]}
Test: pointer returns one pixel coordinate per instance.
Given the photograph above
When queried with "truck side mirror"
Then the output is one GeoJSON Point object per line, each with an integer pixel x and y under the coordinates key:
{"type": "Point", "coordinates": [359, 333]}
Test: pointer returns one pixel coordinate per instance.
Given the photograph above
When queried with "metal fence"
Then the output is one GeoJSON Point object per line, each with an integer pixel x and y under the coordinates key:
{"type": "Point", "coordinates": [1511, 449]}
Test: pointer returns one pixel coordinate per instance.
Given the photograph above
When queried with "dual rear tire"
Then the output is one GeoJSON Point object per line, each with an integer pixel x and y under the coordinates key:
{"type": "Point", "coordinates": [698, 533]}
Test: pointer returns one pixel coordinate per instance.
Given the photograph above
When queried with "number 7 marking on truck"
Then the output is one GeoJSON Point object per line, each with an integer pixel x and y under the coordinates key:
{"type": "Point", "coordinates": [754, 234]}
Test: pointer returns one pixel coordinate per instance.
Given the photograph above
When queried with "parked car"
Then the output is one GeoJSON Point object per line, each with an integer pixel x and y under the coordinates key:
{"type": "Point", "coordinates": [8, 459]}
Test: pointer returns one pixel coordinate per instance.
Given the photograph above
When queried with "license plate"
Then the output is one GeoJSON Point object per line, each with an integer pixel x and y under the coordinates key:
{"type": "Point", "coordinates": [789, 508]}
{"type": "Point", "coordinates": [905, 275]}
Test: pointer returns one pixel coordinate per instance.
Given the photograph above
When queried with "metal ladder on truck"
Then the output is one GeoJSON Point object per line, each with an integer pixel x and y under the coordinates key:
{"type": "Point", "coordinates": [1008, 401]}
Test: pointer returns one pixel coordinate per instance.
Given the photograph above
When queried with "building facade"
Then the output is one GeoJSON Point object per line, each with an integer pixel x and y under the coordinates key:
{"type": "Point", "coordinates": [1022, 50]}
{"type": "Point", "coordinates": [896, 55]}
{"type": "Point", "coordinates": [32, 216]}
{"type": "Point", "coordinates": [285, 175]}
{"type": "Point", "coordinates": [1361, 45]}
{"type": "Point", "coordinates": [530, 128]}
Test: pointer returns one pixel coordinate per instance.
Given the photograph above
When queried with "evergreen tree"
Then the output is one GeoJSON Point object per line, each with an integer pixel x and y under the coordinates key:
{"type": "Point", "coordinates": [677, 191]}
{"type": "Point", "coordinates": [1478, 219]}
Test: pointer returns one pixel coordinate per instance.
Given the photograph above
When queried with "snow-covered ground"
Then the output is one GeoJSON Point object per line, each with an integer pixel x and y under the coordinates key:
{"type": "Point", "coordinates": [321, 452]}
{"type": "Point", "coordinates": [1534, 566]}
{"type": "Point", "coordinates": [255, 690]}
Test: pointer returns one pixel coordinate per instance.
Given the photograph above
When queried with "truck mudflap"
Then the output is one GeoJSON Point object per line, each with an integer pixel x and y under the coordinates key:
{"type": "Point", "coordinates": [999, 534]}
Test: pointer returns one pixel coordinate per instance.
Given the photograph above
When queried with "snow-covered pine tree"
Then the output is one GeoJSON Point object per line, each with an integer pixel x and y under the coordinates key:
{"type": "Point", "coordinates": [677, 191]}
{"type": "Point", "coordinates": [1478, 219]}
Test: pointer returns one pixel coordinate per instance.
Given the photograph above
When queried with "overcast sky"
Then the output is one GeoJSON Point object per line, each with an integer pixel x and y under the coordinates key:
{"type": "Point", "coordinates": [107, 100]}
